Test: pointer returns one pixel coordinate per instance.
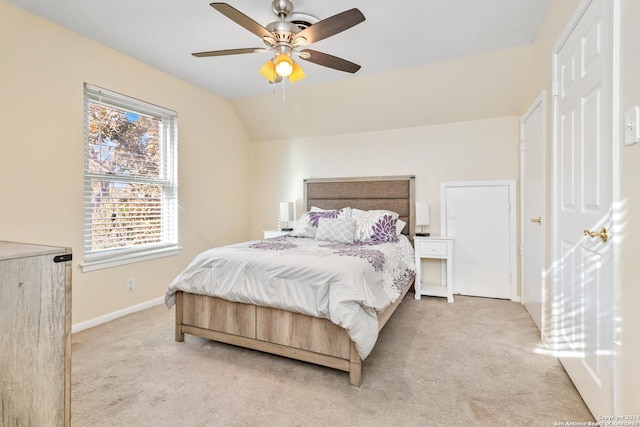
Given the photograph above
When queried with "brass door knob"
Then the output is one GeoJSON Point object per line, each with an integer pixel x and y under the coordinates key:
{"type": "Point", "coordinates": [603, 234]}
{"type": "Point", "coordinates": [537, 220]}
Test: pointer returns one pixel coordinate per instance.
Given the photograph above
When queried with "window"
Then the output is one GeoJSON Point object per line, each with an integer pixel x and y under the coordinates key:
{"type": "Point", "coordinates": [130, 180]}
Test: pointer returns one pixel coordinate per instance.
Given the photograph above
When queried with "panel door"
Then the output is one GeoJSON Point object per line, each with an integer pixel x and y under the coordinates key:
{"type": "Point", "coordinates": [532, 171]}
{"type": "Point", "coordinates": [583, 188]}
{"type": "Point", "coordinates": [478, 217]}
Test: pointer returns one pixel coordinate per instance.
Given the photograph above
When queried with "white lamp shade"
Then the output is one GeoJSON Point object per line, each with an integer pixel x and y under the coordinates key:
{"type": "Point", "coordinates": [286, 211]}
{"type": "Point", "coordinates": [422, 213]}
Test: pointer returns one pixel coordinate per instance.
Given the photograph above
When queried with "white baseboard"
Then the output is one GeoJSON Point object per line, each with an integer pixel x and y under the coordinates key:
{"type": "Point", "coordinates": [120, 313]}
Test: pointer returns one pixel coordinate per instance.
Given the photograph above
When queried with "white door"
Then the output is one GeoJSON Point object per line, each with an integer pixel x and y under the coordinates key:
{"type": "Point", "coordinates": [479, 217]}
{"type": "Point", "coordinates": [532, 195]}
{"type": "Point", "coordinates": [583, 200]}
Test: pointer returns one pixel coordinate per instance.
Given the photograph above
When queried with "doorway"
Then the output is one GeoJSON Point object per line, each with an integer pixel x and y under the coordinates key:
{"type": "Point", "coordinates": [533, 130]}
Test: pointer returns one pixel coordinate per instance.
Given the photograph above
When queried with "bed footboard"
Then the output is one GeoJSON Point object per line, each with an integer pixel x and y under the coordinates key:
{"type": "Point", "coordinates": [275, 331]}
{"type": "Point", "coordinates": [271, 330]}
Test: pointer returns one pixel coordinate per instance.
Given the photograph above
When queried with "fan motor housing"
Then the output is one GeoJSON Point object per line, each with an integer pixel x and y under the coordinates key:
{"type": "Point", "coordinates": [283, 30]}
{"type": "Point", "coordinates": [282, 7]}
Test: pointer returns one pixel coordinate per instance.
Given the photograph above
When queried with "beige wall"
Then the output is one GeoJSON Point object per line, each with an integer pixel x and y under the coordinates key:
{"type": "Point", "coordinates": [459, 90]}
{"type": "Point", "coordinates": [451, 121]}
{"type": "Point", "coordinates": [475, 150]}
{"type": "Point", "coordinates": [42, 71]}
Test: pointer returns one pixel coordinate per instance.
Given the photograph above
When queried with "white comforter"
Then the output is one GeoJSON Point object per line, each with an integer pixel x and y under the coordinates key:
{"type": "Point", "coordinates": [347, 283]}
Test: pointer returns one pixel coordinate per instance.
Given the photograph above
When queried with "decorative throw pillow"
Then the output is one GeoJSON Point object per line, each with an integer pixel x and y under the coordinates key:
{"type": "Point", "coordinates": [376, 226]}
{"type": "Point", "coordinates": [307, 225]}
{"type": "Point", "coordinates": [339, 230]}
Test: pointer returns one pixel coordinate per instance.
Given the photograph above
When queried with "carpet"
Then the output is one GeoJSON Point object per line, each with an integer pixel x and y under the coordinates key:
{"type": "Point", "coordinates": [476, 362]}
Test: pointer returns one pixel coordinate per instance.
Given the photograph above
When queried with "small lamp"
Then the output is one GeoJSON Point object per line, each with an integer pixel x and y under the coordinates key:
{"type": "Point", "coordinates": [286, 215]}
{"type": "Point", "coordinates": [422, 217]}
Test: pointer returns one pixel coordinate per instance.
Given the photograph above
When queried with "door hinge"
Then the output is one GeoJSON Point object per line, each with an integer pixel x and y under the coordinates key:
{"type": "Point", "coordinates": [554, 88]}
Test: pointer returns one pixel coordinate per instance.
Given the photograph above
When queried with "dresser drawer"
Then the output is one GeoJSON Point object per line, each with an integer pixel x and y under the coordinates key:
{"type": "Point", "coordinates": [432, 249]}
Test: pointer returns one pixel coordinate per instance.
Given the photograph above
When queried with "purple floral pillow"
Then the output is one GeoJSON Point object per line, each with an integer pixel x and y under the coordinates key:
{"type": "Point", "coordinates": [377, 226]}
{"type": "Point", "coordinates": [307, 225]}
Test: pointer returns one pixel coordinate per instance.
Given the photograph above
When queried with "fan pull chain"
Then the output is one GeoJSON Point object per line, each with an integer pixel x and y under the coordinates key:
{"type": "Point", "coordinates": [283, 90]}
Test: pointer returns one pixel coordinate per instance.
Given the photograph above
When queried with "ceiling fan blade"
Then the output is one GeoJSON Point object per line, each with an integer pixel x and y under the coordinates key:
{"type": "Point", "coordinates": [228, 52]}
{"type": "Point", "coordinates": [330, 61]}
{"type": "Point", "coordinates": [331, 26]}
{"type": "Point", "coordinates": [241, 19]}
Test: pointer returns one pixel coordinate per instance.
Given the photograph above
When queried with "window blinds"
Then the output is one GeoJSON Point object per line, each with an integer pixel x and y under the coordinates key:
{"type": "Point", "coordinates": [131, 180]}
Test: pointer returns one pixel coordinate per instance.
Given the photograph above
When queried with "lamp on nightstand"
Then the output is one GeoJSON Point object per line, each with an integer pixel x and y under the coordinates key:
{"type": "Point", "coordinates": [286, 215]}
{"type": "Point", "coordinates": [422, 217]}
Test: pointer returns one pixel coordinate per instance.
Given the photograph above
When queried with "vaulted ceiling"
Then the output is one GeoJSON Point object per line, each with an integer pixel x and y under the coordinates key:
{"type": "Point", "coordinates": [395, 45]}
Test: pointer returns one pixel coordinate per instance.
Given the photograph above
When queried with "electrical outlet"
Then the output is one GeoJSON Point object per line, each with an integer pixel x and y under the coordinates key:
{"type": "Point", "coordinates": [131, 284]}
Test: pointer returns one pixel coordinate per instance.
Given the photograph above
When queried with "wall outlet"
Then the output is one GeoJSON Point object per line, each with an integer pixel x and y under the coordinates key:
{"type": "Point", "coordinates": [131, 284]}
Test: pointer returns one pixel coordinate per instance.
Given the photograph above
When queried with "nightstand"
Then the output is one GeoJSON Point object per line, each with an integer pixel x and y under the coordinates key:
{"type": "Point", "coordinates": [435, 247]}
{"type": "Point", "coordinates": [270, 234]}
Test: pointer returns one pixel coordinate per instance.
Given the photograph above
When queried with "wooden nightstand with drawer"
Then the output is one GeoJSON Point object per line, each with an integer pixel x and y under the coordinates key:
{"type": "Point", "coordinates": [435, 247]}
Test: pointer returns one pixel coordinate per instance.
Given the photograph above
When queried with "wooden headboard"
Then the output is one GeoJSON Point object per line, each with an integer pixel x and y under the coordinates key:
{"type": "Point", "coordinates": [394, 193]}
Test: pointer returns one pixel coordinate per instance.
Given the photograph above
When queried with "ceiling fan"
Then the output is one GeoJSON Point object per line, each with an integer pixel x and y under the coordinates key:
{"type": "Point", "coordinates": [286, 38]}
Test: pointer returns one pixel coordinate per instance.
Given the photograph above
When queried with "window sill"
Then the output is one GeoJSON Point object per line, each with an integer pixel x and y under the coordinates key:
{"type": "Point", "coordinates": [130, 259]}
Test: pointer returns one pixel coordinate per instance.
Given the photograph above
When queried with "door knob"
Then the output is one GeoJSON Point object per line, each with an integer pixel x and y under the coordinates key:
{"type": "Point", "coordinates": [603, 234]}
{"type": "Point", "coordinates": [537, 220]}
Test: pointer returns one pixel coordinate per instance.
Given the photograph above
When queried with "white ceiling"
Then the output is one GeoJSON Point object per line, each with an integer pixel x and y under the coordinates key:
{"type": "Point", "coordinates": [395, 35]}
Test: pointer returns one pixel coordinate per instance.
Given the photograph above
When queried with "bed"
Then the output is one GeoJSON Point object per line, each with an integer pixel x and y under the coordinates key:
{"type": "Point", "coordinates": [283, 328]}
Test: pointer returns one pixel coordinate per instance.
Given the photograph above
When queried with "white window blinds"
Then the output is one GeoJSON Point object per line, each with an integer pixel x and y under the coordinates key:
{"type": "Point", "coordinates": [131, 179]}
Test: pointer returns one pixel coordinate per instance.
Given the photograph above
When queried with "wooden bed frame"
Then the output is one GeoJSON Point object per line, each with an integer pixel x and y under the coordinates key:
{"type": "Point", "coordinates": [295, 335]}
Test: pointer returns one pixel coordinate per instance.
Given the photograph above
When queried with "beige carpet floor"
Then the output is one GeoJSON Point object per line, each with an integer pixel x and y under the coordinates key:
{"type": "Point", "coordinates": [476, 362]}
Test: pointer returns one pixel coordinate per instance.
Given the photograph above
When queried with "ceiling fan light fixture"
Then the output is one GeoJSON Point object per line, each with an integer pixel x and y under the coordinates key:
{"type": "Point", "coordinates": [284, 65]}
{"type": "Point", "coordinates": [297, 73]}
{"type": "Point", "coordinates": [268, 71]}
{"type": "Point", "coordinates": [285, 37]}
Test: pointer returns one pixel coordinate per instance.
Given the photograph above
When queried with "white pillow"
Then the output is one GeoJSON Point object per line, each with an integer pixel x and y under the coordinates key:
{"type": "Point", "coordinates": [400, 226]}
{"type": "Point", "coordinates": [339, 230]}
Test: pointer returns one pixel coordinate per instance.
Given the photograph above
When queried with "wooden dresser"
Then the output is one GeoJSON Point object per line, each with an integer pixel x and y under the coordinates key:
{"type": "Point", "coordinates": [35, 335]}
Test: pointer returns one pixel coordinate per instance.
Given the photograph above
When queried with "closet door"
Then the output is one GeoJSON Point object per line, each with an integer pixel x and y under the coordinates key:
{"type": "Point", "coordinates": [480, 216]}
